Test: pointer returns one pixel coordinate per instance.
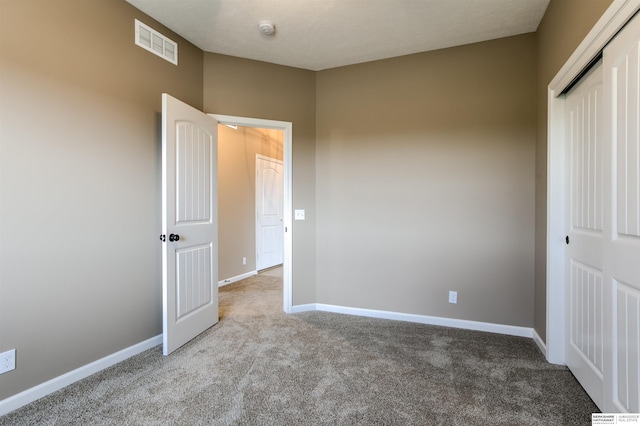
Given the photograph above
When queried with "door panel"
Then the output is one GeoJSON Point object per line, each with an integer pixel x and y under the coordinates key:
{"type": "Point", "coordinates": [193, 275]}
{"type": "Point", "coordinates": [189, 205]}
{"type": "Point", "coordinates": [584, 350]}
{"type": "Point", "coordinates": [622, 245]}
{"type": "Point", "coordinates": [625, 86]}
{"type": "Point", "coordinates": [627, 361]}
{"type": "Point", "coordinates": [193, 174]}
{"type": "Point", "coordinates": [586, 332]}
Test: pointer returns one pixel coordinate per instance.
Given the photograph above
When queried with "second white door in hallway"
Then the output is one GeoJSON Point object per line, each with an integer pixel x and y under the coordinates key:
{"type": "Point", "coordinates": [269, 212]}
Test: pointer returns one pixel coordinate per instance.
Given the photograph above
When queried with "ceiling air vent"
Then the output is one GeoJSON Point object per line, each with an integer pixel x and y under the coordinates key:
{"type": "Point", "coordinates": [154, 42]}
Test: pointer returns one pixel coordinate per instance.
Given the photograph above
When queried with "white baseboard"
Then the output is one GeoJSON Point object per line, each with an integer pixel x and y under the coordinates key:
{"type": "Point", "coordinates": [541, 345]}
{"type": "Point", "coordinates": [511, 330]}
{"type": "Point", "coordinates": [25, 397]}
{"type": "Point", "coordinates": [236, 278]}
{"type": "Point", "coordinates": [304, 308]}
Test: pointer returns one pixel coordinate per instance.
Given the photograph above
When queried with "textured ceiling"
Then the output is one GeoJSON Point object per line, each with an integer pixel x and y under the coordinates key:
{"type": "Point", "coordinates": [322, 34]}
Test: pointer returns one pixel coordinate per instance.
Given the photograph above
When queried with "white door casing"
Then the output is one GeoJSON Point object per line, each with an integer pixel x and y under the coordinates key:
{"type": "Point", "coordinates": [189, 225]}
{"type": "Point", "coordinates": [584, 219]}
{"type": "Point", "coordinates": [287, 128]}
{"type": "Point", "coordinates": [622, 233]}
{"type": "Point", "coordinates": [269, 212]}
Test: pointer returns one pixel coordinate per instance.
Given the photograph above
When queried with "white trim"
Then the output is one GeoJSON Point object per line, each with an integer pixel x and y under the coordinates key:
{"type": "Point", "coordinates": [539, 342]}
{"type": "Point", "coordinates": [287, 128]}
{"type": "Point", "coordinates": [555, 231]}
{"type": "Point", "coordinates": [228, 281]}
{"type": "Point", "coordinates": [304, 308]}
{"type": "Point", "coordinates": [32, 394]}
{"type": "Point", "coordinates": [615, 17]}
{"type": "Point", "coordinates": [512, 330]}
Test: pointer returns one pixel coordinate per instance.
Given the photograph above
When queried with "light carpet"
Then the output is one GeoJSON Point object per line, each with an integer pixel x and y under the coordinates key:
{"type": "Point", "coordinates": [259, 366]}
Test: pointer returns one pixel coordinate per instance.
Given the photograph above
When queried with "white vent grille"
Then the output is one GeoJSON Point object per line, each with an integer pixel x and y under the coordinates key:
{"type": "Point", "coordinates": [151, 40]}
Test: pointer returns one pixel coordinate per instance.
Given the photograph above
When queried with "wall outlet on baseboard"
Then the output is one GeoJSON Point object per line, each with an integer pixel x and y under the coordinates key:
{"type": "Point", "coordinates": [453, 297]}
{"type": "Point", "coordinates": [244, 260]}
{"type": "Point", "coordinates": [7, 361]}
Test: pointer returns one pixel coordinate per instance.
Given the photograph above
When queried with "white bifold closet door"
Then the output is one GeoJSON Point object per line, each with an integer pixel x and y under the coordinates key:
{"type": "Point", "coordinates": [622, 233]}
{"type": "Point", "coordinates": [585, 224]}
{"type": "Point", "coordinates": [602, 166]}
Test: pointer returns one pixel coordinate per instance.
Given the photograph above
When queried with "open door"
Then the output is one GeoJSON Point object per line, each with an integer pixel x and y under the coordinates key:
{"type": "Point", "coordinates": [189, 226]}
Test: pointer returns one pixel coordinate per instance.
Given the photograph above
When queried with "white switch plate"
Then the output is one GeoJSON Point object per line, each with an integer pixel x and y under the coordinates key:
{"type": "Point", "coordinates": [298, 214]}
{"type": "Point", "coordinates": [453, 297]}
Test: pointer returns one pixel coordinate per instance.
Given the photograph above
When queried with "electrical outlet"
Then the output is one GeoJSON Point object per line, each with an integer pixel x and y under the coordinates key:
{"type": "Point", "coordinates": [7, 361]}
{"type": "Point", "coordinates": [453, 297]}
{"type": "Point", "coordinates": [244, 260]}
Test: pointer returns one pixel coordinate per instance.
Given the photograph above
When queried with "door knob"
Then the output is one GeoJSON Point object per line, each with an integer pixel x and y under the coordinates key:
{"type": "Point", "coordinates": [174, 237]}
{"type": "Point", "coordinates": [566, 239]}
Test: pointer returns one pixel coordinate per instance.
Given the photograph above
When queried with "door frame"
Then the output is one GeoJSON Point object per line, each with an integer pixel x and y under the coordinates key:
{"type": "Point", "coordinates": [614, 18]}
{"type": "Point", "coordinates": [287, 128]}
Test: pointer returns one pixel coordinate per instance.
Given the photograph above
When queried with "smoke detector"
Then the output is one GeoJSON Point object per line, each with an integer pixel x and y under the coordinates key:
{"type": "Point", "coordinates": [267, 27]}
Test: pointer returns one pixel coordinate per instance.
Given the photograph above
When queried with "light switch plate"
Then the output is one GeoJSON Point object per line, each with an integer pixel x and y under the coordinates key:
{"type": "Point", "coordinates": [298, 214]}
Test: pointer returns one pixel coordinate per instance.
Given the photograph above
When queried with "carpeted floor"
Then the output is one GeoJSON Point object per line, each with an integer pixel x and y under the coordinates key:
{"type": "Point", "coordinates": [259, 366]}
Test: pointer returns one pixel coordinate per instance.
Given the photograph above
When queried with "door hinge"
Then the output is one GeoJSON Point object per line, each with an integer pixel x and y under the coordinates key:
{"type": "Point", "coordinates": [163, 237]}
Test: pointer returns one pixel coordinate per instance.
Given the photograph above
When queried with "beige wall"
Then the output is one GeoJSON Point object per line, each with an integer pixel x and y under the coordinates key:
{"type": "Point", "coordinates": [245, 88]}
{"type": "Point", "coordinates": [564, 26]}
{"type": "Point", "coordinates": [237, 150]}
{"type": "Point", "coordinates": [425, 183]}
{"type": "Point", "coordinates": [80, 270]}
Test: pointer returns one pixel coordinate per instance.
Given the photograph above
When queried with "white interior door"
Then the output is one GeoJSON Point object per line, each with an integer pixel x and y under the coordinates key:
{"type": "Point", "coordinates": [269, 212]}
{"type": "Point", "coordinates": [189, 209]}
{"type": "Point", "coordinates": [585, 223]}
{"type": "Point", "coordinates": [603, 221]}
{"type": "Point", "coordinates": [622, 242]}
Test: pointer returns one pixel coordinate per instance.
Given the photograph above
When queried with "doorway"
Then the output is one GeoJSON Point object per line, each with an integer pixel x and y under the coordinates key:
{"type": "Point", "coordinates": [267, 129]}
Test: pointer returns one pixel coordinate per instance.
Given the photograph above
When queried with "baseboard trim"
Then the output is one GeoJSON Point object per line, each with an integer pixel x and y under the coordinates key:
{"type": "Point", "coordinates": [236, 278]}
{"type": "Point", "coordinates": [32, 394]}
{"type": "Point", "coordinates": [540, 343]}
{"type": "Point", "coordinates": [304, 308]}
{"type": "Point", "coordinates": [511, 330]}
